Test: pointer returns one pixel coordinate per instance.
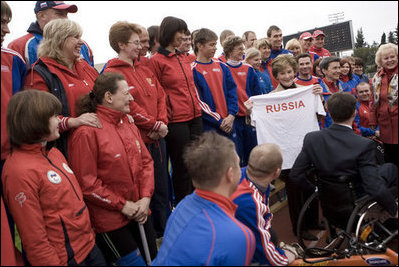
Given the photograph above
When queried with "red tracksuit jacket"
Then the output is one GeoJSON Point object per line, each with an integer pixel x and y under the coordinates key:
{"type": "Point", "coordinates": [174, 72]}
{"type": "Point", "coordinates": [47, 205]}
{"type": "Point", "coordinates": [112, 165]}
{"type": "Point", "coordinates": [145, 89]}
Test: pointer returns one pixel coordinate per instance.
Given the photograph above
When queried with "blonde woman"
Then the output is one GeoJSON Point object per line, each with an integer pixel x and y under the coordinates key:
{"type": "Point", "coordinates": [60, 71]}
{"type": "Point", "coordinates": [384, 111]}
{"type": "Point", "coordinates": [294, 46]}
{"type": "Point", "coordinates": [253, 58]}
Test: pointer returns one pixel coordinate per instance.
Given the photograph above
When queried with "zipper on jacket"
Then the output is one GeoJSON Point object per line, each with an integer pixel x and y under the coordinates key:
{"type": "Point", "coordinates": [188, 86]}
{"type": "Point", "coordinates": [51, 163]}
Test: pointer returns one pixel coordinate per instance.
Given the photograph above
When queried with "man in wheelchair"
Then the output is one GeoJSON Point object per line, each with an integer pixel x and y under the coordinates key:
{"type": "Point", "coordinates": [342, 159]}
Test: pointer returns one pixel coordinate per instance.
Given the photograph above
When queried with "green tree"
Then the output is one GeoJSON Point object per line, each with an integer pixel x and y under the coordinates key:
{"type": "Point", "coordinates": [359, 39]}
{"type": "Point", "coordinates": [391, 38]}
{"type": "Point", "coordinates": [383, 39]}
{"type": "Point", "coordinates": [396, 34]}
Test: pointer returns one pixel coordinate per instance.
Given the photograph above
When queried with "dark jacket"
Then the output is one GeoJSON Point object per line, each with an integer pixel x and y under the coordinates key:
{"type": "Point", "coordinates": [338, 151]}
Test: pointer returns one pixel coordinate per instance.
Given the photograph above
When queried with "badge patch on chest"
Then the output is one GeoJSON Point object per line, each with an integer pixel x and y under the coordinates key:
{"type": "Point", "coordinates": [66, 167]}
{"type": "Point", "coordinates": [53, 177]}
{"type": "Point", "coordinates": [149, 81]}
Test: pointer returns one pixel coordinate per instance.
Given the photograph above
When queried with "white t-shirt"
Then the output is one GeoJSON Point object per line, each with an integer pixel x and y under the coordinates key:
{"type": "Point", "coordinates": [284, 118]}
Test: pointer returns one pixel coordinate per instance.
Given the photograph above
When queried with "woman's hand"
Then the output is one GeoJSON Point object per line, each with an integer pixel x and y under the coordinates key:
{"type": "Point", "coordinates": [248, 106]}
{"type": "Point", "coordinates": [163, 130]}
{"type": "Point", "coordinates": [89, 119]}
{"type": "Point", "coordinates": [143, 209]}
{"type": "Point", "coordinates": [317, 89]}
{"type": "Point", "coordinates": [130, 209]}
{"type": "Point", "coordinates": [227, 124]}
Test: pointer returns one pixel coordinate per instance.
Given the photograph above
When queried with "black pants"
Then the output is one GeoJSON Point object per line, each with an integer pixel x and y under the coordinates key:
{"type": "Point", "coordinates": [296, 199]}
{"type": "Point", "coordinates": [119, 243]}
{"type": "Point", "coordinates": [180, 134]}
{"type": "Point", "coordinates": [95, 258]}
{"type": "Point", "coordinates": [159, 200]}
{"type": "Point", "coordinates": [391, 153]}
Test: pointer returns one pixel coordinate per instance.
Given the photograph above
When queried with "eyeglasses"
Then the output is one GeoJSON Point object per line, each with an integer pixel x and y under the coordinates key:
{"type": "Point", "coordinates": [135, 42]}
{"type": "Point", "coordinates": [239, 49]}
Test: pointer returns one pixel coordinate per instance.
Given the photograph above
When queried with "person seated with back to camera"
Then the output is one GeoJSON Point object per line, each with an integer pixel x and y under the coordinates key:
{"type": "Point", "coordinates": [337, 151]}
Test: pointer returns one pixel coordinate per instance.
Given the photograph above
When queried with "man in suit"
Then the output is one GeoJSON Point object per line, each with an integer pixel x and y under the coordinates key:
{"type": "Point", "coordinates": [338, 151]}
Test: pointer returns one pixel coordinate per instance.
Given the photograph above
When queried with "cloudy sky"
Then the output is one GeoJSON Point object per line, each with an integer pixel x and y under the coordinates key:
{"type": "Point", "coordinates": [96, 17]}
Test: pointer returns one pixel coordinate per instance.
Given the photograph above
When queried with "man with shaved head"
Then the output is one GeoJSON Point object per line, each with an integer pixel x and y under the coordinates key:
{"type": "Point", "coordinates": [252, 199]}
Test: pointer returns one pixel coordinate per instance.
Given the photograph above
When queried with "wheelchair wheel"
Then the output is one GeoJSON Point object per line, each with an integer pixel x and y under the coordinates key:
{"type": "Point", "coordinates": [328, 238]}
{"type": "Point", "coordinates": [366, 226]}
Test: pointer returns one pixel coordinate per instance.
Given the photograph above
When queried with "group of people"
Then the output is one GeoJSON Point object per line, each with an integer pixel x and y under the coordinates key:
{"type": "Point", "coordinates": [84, 155]}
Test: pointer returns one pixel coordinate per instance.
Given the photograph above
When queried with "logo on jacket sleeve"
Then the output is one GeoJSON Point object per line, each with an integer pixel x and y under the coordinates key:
{"type": "Point", "coordinates": [66, 167]}
{"type": "Point", "coordinates": [20, 197]}
{"type": "Point", "coordinates": [53, 177]}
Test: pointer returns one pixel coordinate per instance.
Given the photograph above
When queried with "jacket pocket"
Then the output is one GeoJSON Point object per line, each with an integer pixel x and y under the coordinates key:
{"type": "Point", "coordinates": [170, 108]}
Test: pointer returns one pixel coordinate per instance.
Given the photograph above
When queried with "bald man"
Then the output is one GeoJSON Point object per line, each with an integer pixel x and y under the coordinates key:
{"type": "Point", "coordinates": [252, 199]}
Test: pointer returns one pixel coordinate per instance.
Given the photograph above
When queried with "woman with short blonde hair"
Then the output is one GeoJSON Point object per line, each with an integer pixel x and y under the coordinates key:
{"type": "Point", "coordinates": [294, 46]}
{"type": "Point", "coordinates": [60, 71]}
{"type": "Point", "coordinates": [54, 37]}
{"type": "Point", "coordinates": [384, 49]}
{"type": "Point", "coordinates": [253, 58]}
{"type": "Point", "coordinates": [384, 112]}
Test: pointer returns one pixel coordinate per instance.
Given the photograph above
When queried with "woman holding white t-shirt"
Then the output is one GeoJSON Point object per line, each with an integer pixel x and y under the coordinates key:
{"type": "Point", "coordinates": [284, 69]}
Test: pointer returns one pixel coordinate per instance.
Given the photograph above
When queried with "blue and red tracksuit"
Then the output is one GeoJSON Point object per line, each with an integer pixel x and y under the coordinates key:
{"type": "Point", "coordinates": [311, 81]}
{"type": "Point", "coordinates": [27, 46]}
{"type": "Point", "coordinates": [247, 85]}
{"type": "Point", "coordinates": [202, 231]}
{"type": "Point", "coordinates": [275, 52]}
{"type": "Point", "coordinates": [321, 52]}
{"type": "Point", "coordinates": [329, 88]}
{"type": "Point", "coordinates": [264, 81]}
{"type": "Point", "coordinates": [218, 93]}
{"type": "Point", "coordinates": [266, 67]}
{"type": "Point", "coordinates": [314, 56]}
{"type": "Point", "coordinates": [362, 118]}
{"type": "Point", "coordinates": [254, 211]}
{"type": "Point", "coordinates": [13, 73]}
{"type": "Point", "coordinates": [351, 83]}
{"type": "Point", "coordinates": [362, 78]}
{"type": "Point", "coordinates": [222, 58]}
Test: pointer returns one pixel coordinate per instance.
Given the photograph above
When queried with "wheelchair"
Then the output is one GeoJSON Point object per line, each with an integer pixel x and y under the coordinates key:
{"type": "Point", "coordinates": [353, 225]}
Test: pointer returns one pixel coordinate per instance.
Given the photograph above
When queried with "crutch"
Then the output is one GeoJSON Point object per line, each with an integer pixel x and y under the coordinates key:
{"type": "Point", "coordinates": [145, 244]}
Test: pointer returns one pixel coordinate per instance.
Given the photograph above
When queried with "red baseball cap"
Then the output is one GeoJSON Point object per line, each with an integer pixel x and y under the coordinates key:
{"type": "Point", "coordinates": [43, 5]}
{"type": "Point", "coordinates": [317, 33]}
{"type": "Point", "coordinates": [305, 35]}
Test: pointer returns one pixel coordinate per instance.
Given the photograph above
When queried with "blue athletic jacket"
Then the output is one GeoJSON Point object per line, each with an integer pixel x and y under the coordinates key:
{"type": "Point", "coordinates": [217, 90]}
{"type": "Point", "coordinates": [202, 230]}
{"type": "Point", "coordinates": [254, 211]}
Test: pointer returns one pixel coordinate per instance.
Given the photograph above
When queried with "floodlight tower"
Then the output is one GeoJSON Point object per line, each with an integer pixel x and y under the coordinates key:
{"type": "Point", "coordinates": [336, 17]}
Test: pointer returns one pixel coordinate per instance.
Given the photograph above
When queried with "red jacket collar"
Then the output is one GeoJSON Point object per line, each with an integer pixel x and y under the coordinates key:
{"type": "Point", "coordinates": [167, 53]}
{"type": "Point", "coordinates": [36, 148]}
{"type": "Point", "coordinates": [223, 202]}
{"type": "Point", "coordinates": [110, 115]}
{"type": "Point", "coordinates": [117, 62]}
{"type": "Point", "coordinates": [344, 78]}
{"type": "Point", "coordinates": [52, 63]}
{"type": "Point", "coordinates": [331, 85]}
